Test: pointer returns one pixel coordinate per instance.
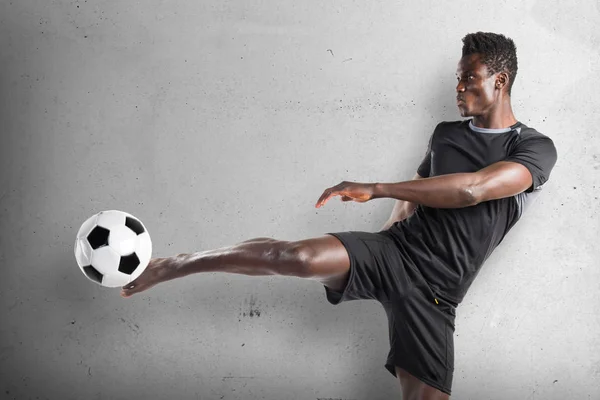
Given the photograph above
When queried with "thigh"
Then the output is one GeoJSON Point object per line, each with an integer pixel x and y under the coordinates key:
{"type": "Point", "coordinates": [356, 265]}
{"type": "Point", "coordinates": [415, 389]}
{"type": "Point", "coordinates": [421, 333]}
{"type": "Point", "coordinates": [327, 260]}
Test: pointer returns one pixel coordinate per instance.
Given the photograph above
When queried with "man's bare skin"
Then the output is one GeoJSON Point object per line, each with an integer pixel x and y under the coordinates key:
{"type": "Point", "coordinates": [480, 95]}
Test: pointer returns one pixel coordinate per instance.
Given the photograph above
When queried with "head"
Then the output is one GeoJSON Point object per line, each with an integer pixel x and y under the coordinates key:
{"type": "Point", "coordinates": [485, 73]}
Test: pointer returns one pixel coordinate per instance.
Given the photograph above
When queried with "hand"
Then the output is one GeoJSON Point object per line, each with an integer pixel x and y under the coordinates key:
{"type": "Point", "coordinates": [350, 191]}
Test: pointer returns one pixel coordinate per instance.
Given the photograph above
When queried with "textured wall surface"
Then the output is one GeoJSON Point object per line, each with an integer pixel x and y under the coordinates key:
{"type": "Point", "coordinates": [220, 121]}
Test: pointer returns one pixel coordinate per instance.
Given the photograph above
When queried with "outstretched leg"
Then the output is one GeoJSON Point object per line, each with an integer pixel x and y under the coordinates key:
{"type": "Point", "coordinates": [324, 259]}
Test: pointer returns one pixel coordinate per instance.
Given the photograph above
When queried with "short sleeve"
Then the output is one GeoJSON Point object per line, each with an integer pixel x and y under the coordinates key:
{"type": "Point", "coordinates": [424, 169]}
{"type": "Point", "coordinates": [538, 155]}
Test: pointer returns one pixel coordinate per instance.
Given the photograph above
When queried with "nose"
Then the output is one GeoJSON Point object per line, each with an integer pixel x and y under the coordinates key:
{"type": "Point", "coordinates": [460, 87]}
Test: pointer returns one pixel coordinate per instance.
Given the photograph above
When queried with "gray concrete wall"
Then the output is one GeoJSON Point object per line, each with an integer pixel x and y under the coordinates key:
{"type": "Point", "coordinates": [219, 121]}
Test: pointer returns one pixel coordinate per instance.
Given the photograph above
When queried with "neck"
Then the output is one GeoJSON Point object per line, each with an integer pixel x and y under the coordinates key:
{"type": "Point", "coordinates": [499, 116]}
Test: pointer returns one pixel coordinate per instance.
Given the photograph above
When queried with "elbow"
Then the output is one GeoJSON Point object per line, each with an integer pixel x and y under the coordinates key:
{"type": "Point", "coordinates": [470, 196]}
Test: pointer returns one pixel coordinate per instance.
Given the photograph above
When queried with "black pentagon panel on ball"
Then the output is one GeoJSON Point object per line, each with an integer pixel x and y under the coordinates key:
{"type": "Point", "coordinates": [134, 225]}
{"type": "Point", "coordinates": [98, 237]}
{"type": "Point", "coordinates": [129, 263]}
{"type": "Point", "coordinates": [93, 274]}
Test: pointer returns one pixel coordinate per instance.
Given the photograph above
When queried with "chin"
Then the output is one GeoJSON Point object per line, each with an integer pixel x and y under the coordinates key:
{"type": "Point", "coordinates": [464, 113]}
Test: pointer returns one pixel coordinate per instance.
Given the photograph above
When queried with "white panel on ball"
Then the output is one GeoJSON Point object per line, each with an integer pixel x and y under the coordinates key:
{"type": "Point", "coordinates": [105, 260]}
{"type": "Point", "coordinates": [111, 218]}
{"type": "Point", "coordinates": [122, 240]}
{"type": "Point", "coordinates": [143, 249]}
{"type": "Point", "coordinates": [116, 279]}
{"type": "Point", "coordinates": [87, 227]}
{"type": "Point", "coordinates": [83, 252]}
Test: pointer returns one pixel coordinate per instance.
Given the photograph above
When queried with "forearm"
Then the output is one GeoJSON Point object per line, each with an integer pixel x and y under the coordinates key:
{"type": "Point", "coordinates": [445, 191]}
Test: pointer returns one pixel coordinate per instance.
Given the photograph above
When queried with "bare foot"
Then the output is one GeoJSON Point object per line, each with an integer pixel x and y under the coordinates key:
{"type": "Point", "coordinates": [158, 270]}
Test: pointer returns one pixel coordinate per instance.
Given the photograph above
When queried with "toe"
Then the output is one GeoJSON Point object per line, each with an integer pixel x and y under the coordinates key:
{"type": "Point", "coordinates": [128, 290]}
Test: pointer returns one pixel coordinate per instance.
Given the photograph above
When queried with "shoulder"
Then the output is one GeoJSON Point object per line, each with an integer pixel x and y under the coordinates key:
{"type": "Point", "coordinates": [527, 133]}
{"type": "Point", "coordinates": [530, 141]}
{"type": "Point", "coordinates": [450, 127]}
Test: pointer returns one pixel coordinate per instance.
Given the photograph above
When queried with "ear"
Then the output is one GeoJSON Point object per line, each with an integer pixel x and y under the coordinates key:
{"type": "Point", "coordinates": [502, 80]}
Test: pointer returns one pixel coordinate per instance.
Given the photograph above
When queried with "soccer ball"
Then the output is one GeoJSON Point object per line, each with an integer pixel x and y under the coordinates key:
{"type": "Point", "coordinates": [112, 248]}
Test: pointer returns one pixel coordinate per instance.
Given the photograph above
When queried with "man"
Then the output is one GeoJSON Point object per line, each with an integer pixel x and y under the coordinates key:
{"type": "Point", "coordinates": [476, 179]}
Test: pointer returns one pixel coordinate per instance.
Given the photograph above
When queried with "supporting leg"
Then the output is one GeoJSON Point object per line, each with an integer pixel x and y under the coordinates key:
{"type": "Point", "coordinates": [415, 389]}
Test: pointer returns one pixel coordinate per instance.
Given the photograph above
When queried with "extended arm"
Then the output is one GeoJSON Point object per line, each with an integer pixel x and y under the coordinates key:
{"type": "Point", "coordinates": [499, 180]}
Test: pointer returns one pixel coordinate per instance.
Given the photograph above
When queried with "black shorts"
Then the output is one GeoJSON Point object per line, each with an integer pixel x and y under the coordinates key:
{"type": "Point", "coordinates": [421, 325]}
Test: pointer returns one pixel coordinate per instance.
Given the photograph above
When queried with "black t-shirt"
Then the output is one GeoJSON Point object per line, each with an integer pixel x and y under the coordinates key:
{"type": "Point", "coordinates": [449, 246]}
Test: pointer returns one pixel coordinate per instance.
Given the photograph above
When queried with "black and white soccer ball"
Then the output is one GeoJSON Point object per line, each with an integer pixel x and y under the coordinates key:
{"type": "Point", "coordinates": [113, 248]}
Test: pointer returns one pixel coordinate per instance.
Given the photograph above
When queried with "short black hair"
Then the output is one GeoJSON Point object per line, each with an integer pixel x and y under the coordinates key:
{"type": "Point", "coordinates": [498, 52]}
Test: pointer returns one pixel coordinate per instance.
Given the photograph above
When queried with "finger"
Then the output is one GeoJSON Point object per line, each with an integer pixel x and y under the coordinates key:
{"type": "Point", "coordinates": [324, 198]}
{"type": "Point", "coordinates": [346, 198]}
{"type": "Point", "coordinates": [317, 204]}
